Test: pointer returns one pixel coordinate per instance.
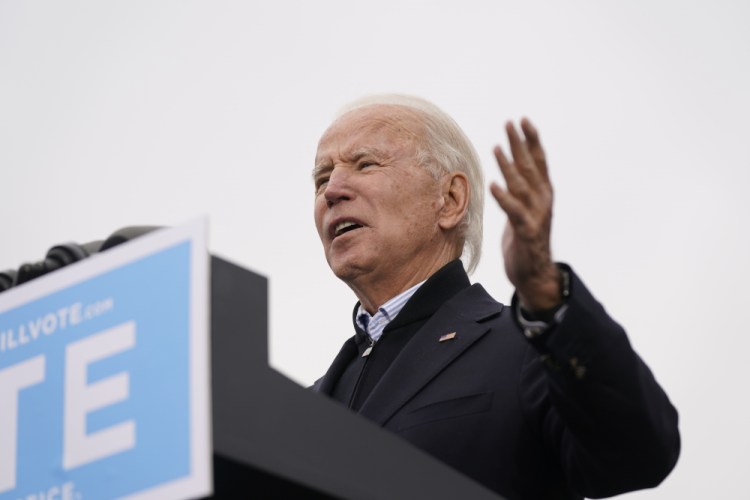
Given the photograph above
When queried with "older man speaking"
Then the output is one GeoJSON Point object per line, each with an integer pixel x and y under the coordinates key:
{"type": "Point", "coordinates": [541, 399]}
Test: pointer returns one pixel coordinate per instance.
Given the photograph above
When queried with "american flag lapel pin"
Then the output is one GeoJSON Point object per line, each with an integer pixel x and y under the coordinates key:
{"type": "Point", "coordinates": [447, 336]}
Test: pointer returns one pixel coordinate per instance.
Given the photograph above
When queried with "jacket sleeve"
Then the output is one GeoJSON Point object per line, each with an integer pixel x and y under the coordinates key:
{"type": "Point", "coordinates": [596, 402]}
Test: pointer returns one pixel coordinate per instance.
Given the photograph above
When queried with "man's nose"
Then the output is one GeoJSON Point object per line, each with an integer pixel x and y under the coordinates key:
{"type": "Point", "coordinates": [338, 187]}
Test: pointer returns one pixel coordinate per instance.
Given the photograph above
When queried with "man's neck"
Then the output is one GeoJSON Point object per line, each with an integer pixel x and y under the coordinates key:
{"type": "Point", "coordinates": [373, 294]}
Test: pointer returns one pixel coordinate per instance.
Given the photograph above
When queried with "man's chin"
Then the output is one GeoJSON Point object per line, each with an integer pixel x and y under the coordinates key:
{"type": "Point", "coordinates": [346, 269]}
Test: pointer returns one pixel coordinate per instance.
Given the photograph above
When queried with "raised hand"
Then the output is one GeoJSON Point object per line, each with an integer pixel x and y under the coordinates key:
{"type": "Point", "coordinates": [527, 201]}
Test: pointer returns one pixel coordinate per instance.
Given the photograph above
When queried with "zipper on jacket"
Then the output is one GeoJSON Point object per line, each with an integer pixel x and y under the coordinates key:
{"type": "Point", "coordinates": [365, 355]}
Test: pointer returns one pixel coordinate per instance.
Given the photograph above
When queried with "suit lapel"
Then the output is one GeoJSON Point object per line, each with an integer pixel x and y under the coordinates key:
{"type": "Point", "coordinates": [326, 384]}
{"type": "Point", "coordinates": [426, 355]}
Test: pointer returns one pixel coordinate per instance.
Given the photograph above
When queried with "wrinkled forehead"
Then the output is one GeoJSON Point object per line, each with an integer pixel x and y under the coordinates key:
{"type": "Point", "coordinates": [373, 122]}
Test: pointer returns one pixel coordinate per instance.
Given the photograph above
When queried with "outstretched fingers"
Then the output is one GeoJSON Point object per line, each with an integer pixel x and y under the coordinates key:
{"type": "Point", "coordinates": [528, 193]}
{"type": "Point", "coordinates": [526, 151]}
{"type": "Point", "coordinates": [515, 181]}
{"type": "Point", "coordinates": [514, 209]}
{"type": "Point", "coordinates": [527, 201]}
{"type": "Point", "coordinates": [534, 146]}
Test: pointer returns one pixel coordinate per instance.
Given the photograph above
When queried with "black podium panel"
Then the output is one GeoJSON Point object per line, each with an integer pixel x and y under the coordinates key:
{"type": "Point", "coordinates": [275, 439]}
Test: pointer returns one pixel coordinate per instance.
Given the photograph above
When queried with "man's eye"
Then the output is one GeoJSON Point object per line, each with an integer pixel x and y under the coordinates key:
{"type": "Point", "coordinates": [320, 183]}
{"type": "Point", "coordinates": [366, 164]}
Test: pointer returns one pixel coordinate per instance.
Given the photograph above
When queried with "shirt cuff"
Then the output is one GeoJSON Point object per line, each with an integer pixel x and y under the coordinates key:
{"type": "Point", "coordinates": [536, 325]}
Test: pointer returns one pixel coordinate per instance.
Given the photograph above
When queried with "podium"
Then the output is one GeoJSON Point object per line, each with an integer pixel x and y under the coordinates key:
{"type": "Point", "coordinates": [104, 391]}
{"type": "Point", "coordinates": [274, 439]}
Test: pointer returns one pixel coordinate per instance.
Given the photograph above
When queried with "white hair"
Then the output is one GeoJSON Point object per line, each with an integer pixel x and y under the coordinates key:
{"type": "Point", "coordinates": [445, 148]}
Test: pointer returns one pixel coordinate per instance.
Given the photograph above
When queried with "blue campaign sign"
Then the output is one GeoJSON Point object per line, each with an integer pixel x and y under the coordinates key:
{"type": "Point", "coordinates": [104, 376]}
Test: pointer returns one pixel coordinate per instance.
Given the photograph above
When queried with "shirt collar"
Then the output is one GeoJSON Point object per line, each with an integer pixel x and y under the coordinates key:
{"type": "Point", "coordinates": [374, 324]}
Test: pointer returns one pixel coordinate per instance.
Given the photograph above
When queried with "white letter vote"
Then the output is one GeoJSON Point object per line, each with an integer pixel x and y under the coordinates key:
{"type": "Point", "coordinates": [12, 380]}
{"type": "Point", "coordinates": [81, 398]}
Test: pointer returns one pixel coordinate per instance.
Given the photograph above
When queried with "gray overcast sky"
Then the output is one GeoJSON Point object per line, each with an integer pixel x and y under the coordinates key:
{"type": "Point", "coordinates": [139, 112]}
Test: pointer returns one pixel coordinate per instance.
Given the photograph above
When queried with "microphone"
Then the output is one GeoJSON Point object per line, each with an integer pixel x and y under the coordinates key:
{"type": "Point", "coordinates": [68, 253]}
{"type": "Point", "coordinates": [57, 257]}
{"type": "Point", "coordinates": [126, 234]}
{"type": "Point", "coordinates": [7, 279]}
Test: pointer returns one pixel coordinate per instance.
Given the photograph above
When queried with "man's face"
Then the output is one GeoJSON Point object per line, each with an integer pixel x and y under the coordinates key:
{"type": "Point", "coordinates": [376, 208]}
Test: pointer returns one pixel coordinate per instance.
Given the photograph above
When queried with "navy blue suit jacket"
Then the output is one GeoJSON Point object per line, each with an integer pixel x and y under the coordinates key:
{"type": "Point", "coordinates": [577, 413]}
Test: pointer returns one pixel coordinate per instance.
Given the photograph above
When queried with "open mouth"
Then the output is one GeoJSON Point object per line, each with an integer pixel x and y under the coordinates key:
{"type": "Point", "coordinates": [345, 227]}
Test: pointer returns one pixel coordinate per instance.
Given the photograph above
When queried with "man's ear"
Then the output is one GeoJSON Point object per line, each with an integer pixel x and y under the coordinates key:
{"type": "Point", "coordinates": [456, 194]}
